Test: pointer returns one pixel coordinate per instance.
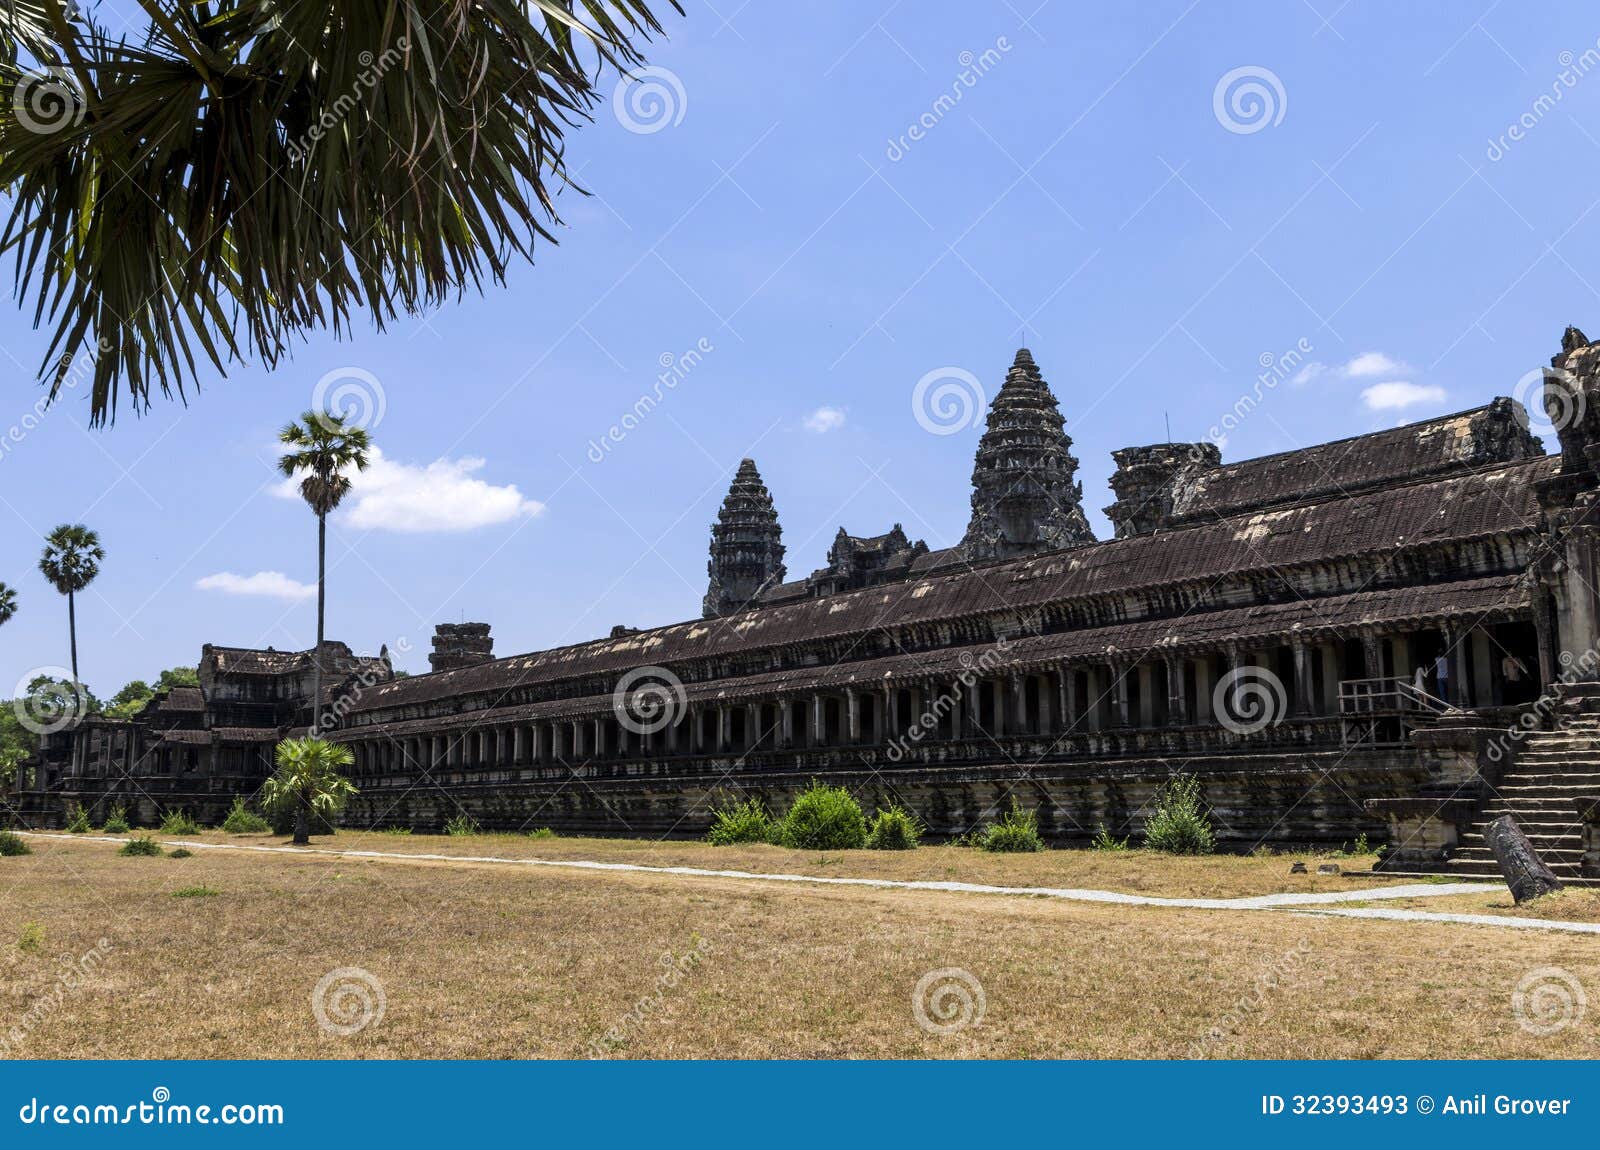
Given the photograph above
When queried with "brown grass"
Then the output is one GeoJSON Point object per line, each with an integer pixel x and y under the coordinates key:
{"type": "Point", "coordinates": [497, 961]}
{"type": "Point", "coordinates": [1134, 872]}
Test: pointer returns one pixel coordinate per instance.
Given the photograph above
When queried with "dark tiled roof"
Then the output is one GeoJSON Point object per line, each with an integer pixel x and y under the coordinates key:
{"type": "Point", "coordinates": [1495, 432]}
{"type": "Point", "coordinates": [1478, 504]}
{"type": "Point", "coordinates": [184, 699]}
{"type": "Point", "coordinates": [190, 737]}
{"type": "Point", "coordinates": [246, 734]}
{"type": "Point", "coordinates": [1470, 601]}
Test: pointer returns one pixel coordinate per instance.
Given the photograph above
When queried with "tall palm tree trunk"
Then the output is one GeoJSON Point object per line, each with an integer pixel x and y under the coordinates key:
{"type": "Point", "coordinates": [72, 635]}
{"type": "Point", "coordinates": [316, 656]}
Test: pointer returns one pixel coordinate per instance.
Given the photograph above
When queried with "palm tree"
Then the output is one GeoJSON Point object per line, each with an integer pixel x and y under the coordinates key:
{"type": "Point", "coordinates": [322, 449]}
{"type": "Point", "coordinates": [8, 603]}
{"type": "Point", "coordinates": [308, 778]}
{"type": "Point", "coordinates": [240, 173]}
{"type": "Point", "coordinates": [71, 560]}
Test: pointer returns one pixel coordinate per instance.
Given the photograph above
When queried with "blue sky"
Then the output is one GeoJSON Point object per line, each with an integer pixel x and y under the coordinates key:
{"type": "Point", "coordinates": [1085, 187]}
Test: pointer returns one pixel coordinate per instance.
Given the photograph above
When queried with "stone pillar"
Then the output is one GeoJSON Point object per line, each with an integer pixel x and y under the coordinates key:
{"type": "Point", "coordinates": [724, 728]}
{"type": "Point", "coordinates": [819, 720]}
{"type": "Point", "coordinates": [1177, 698]}
{"type": "Point", "coordinates": [537, 751]}
{"type": "Point", "coordinates": [786, 723]}
{"type": "Point", "coordinates": [1372, 652]}
{"type": "Point", "coordinates": [1119, 695]}
{"type": "Point", "coordinates": [1457, 646]}
{"type": "Point", "coordinates": [752, 726]}
{"type": "Point", "coordinates": [1302, 678]}
{"type": "Point", "coordinates": [853, 704]}
{"type": "Point", "coordinates": [891, 713]}
{"type": "Point", "coordinates": [1330, 677]}
{"type": "Point", "coordinates": [519, 745]}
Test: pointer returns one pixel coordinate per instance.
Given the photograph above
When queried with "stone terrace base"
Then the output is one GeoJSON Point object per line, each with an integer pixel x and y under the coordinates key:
{"type": "Point", "coordinates": [1281, 797]}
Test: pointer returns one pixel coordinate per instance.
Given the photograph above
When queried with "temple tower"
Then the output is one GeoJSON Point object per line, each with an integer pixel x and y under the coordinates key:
{"type": "Point", "coordinates": [1025, 495]}
{"type": "Point", "coordinates": [746, 545]}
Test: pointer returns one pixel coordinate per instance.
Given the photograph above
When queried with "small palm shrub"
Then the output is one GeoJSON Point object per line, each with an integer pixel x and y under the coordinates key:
{"type": "Point", "coordinates": [1180, 823]}
{"type": "Point", "coordinates": [13, 844]}
{"type": "Point", "coordinates": [140, 846]}
{"type": "Point", "coordinates": [395, 831]}
{"type": "Point", "coordinates": [201, 891]}
{"type": "Point", "coordinates": [894, 829]}
{"type": "Point", "coordinates": [542, 833]}
{"type": "Point", "coordinates": [78, 820]}
{"type": "Point", "coordinates": [1017, 831]}
{"type": "Point", "coordinates": [1105, 841]}
{"type": "Point", "coordinates": [32, 938]}
{"type": "Point", "coordinates": [117, 821]}
{"type": "Point", "coordinates": [462, 824]}
{"type": "Point", "coordinates": [747, 822]}
{"type": "Point", "coordinates": [823, 819]}
{"type": "Point", "coordinates": [182, 853]}
{"type": "Point", "coordinates": [178, 822]}
{"type": "Point", "coordinates": [242, 820]}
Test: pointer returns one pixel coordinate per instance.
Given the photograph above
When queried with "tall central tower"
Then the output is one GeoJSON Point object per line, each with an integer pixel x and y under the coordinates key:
{"type": "Point", "coordinates": [1025, 493]}
{"type": "Point", "coordinates": [746, 545]}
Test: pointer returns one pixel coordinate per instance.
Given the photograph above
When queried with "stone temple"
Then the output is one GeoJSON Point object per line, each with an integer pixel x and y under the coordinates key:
{"type": "Point", "coordinates": [1392, 634]}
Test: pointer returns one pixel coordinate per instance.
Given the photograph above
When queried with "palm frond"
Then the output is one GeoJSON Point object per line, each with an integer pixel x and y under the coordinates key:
{"type": "Point", "coordinates": [251, 171]}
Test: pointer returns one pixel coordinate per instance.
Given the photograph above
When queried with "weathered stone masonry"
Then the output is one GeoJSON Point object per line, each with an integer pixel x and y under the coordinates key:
{"type": "Point", "coordinates": [1031, 660]}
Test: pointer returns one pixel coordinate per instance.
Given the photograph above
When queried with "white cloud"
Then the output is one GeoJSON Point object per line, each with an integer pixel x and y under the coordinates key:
{"type": "Point", "coordinates": [824, 420]}
{"type": "Point", "coordinates": [271, 584]}
{"type": "Point", "coordinates": [1371, 363]}
{"type": "Point", "coordinates": [1398, 394]}
{"type": "Point", "coordinates": [443, 495]}
{"type": "Point", "coordinates": [1307, 373]}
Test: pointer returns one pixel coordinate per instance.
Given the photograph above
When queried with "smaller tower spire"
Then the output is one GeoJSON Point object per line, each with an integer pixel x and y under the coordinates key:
{"type": "Point", "coordinates": [746, 545]}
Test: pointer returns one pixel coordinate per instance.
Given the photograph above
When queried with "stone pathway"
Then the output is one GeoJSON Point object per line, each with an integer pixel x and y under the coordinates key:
{"type": "Point", "coordinates": [1309, 904]}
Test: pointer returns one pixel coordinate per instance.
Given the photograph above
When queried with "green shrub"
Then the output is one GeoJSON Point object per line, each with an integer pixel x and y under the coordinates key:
{"type": "Point", "coordinates": [462, 824]}
{"type": "Point", "coordinates": [242, 820]}
{"type": "Point", "coordinates": [78, 820]}
{"type": "Point", "coordinates": [32, 938]}
{"type": "Point", "coordinates": [140, 846]}
{"type": "Point", "coordinates": [13, 844]}
{"type": "Point", "coordinates": [178, 822]}
{"type": "Point", "coordinates": [823, 819]}
{"type": "Point", "coordinates": [747, 822]}
{"type": "Point", "coordinates": [394, 830]}
{"type": "Point", "coordinates": [1180, 823]}
{"type": "Point", "coordinates": [1017, 831]}
{"type": "Point", "coordinates": [196, 892]}
{"type": "Point", "coordinates": [182, 853]}
{"type": "Point", "coordinates": [543, 833]}
{"type": "Point", "coordinates": [1103, 841]}
{"type": "Point", "coordinates": [894, 829]}
{"type": "Point", "coordinates": [117, 821]}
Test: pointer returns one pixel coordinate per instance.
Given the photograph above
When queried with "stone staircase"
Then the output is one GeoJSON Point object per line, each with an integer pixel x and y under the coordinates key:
{"type": "Point", "coordinates": [1550, 770]}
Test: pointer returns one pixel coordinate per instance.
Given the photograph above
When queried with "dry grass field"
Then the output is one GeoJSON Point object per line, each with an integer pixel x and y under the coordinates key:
{"type": "Point", "coordinates": [220, 954]}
